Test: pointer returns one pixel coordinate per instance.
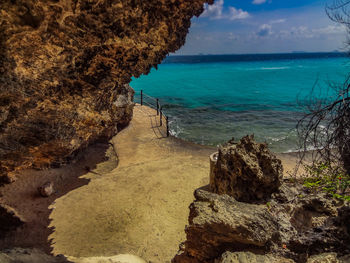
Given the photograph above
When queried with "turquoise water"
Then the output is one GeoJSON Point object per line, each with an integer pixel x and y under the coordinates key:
{"type": "Point", "coordinates": [211, 102]}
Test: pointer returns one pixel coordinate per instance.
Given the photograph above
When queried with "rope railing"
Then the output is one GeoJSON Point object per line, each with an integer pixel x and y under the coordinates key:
{"type": "Point", "coordinates": [155, 104]}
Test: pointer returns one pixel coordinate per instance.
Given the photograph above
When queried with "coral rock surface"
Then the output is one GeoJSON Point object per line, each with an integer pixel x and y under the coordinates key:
{"type": "Point", "coordinates": [65, 66]}
{"type": "Point", "coordinates": [247, 171]}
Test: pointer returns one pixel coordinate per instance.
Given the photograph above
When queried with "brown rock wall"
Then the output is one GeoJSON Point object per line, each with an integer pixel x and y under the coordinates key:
{"type": "Point", "coordinates": [64, 66]}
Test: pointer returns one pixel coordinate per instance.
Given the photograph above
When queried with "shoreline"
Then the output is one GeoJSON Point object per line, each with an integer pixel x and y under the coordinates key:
{"type": "Point", "coordinates": [136, 203]}
{"type": "Point", "coordinates": [289, 159]}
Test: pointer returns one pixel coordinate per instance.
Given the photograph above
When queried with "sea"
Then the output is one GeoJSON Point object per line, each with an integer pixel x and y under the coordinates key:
{"type": "Point", "coordinates": [211, 99]}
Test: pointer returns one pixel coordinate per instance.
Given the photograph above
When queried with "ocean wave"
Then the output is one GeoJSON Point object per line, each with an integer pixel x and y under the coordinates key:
{"type": "Point", "coordinates": [308, 149]}
{"type": "Point", "coordinates": [280, 139]}
{"type": "Point", "coordinates": [175, 129]}
{"type": "Point", "coordinates": [262, 68]}
{"type": "Point", "coordinates": [274, 68]}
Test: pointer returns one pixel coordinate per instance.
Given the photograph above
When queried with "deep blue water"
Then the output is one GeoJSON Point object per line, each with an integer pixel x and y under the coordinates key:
{"type": "Point", "coordinates": [211, 99]}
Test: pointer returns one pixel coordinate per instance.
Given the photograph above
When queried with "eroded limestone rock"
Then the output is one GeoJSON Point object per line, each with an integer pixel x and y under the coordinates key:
{"type": "Point", "coordinates": [329, 258]}
{"type": "Point", "coordinates": [287, 223]}
{"type": "Point", "coordinates": [64, 66]}
{"type": "Point", "coordinates": [296, 228]}
{"type": "Point", "coordinates": [247, 171]}
{"type": "Point", "coordinates": [249, 257]}
{"type": "Point", "coordinates": [218, 222]}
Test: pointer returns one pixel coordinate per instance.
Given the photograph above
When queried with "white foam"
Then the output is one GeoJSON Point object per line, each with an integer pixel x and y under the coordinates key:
{"type": "Point", "coordinates": [309, 148]}
{"type": "Point", "coordinates": [175, 131]}
{"type": "Point", "coordinates": [278, 139]}
{"type": "Point", "coordinates": [274, 68]}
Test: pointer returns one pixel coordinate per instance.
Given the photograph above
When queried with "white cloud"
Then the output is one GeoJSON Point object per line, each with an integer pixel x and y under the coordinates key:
{"type": "Point", "coordinates": [216, 11]}
{"type": "Point", "coordinates": [258, 2]}
{"type": "Point", "coordinates": [278, 21]}
{"type": "Point", "coordinates": [331, 29]}
{"type": "Point", "coordinates": [264, 30]}
{"type": "Point", "coordinates": [305, 32]}
{"type": "Point", "coordinates": [237, 13]}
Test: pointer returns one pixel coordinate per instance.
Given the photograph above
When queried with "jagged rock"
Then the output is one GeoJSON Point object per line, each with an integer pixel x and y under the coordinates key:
{"type": "Point", "coordinates": [319, 225]}
{"type": "Point", "coordinates": [46, 190]}
{"type": "Point", "coordinates": [328, 258]}
{"type": "Point", "coordinates": [26, 255]}
{"type": "Point", "coordinates": [312, 212]}
{"type": "Point", "coordinates": [303, 225]}
{"type": "Point", "coordinates": [248, 257]}
{"type": "Point", "coordinates": [343, 220]}
{"type": "Point", "coordinates": [287, 192]}
{"type": "Point", "coordinates": [64, 66]}
{"type": "Point", "coordinates": [219, 222]}
{"type": "Point", "coordinates": [9, 219]}
{"type": "Point", "coordinates": [291, 224]}
{"type": "Point", "coordinates": [247, 171]}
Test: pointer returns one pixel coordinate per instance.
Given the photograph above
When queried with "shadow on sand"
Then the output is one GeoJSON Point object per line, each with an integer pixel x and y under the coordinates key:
{"type": "Point", "coordinates": [23, 196]}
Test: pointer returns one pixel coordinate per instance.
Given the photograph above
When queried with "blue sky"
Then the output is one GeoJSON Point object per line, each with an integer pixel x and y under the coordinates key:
{"type": "Point", "coordinates": [264, 26]}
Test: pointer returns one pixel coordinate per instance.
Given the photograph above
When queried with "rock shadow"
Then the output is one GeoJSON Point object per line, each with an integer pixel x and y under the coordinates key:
{"type": "Point", "coordinates": [23, 196]}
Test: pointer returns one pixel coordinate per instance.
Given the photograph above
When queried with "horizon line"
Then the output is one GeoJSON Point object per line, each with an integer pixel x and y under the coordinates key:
{"type": "Point", "coordinates": [277, 53]}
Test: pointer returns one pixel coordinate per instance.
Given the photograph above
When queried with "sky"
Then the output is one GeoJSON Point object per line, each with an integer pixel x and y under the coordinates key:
{"type": "Point", "coordinates": [264, 26]}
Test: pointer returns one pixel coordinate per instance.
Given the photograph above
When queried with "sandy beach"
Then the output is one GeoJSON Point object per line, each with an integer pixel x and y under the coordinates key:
{"type": "Point", "coordinates": [127, 197]}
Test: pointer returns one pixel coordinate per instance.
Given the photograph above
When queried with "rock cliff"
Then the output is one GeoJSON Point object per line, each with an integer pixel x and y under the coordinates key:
{"type": "Point", "coordinates": [65, 66]}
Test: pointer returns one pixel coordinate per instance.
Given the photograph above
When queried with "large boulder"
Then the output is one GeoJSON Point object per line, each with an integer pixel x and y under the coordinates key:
{"type": "Point", "coordinates": [300, 226]}
{"type": "Point", "coordinates": [286, 224]}
{"type": "Point", "coordinates": [250, 215]}
{"type": "Point", "coordinates": [219, 222]}
{"type": "Point", "coordinates": [247, 171]}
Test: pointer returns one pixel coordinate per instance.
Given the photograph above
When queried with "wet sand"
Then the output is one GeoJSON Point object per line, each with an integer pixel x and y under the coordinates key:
{"type": "Point", "coordinates": [139, 207]}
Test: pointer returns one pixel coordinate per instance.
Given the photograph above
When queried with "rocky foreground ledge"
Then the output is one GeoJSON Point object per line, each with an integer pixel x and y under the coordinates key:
{"type": "Point", "coordinates": [250, 214]}
{"type": "Point", "coordinates": [64, 70]}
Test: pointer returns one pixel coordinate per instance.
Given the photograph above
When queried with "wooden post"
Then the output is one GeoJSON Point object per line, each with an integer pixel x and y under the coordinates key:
{"type": "Point", "coordinates": [157, 107]}
{"type": "Point", "coordinates": [161, 117]}
{"type": "Point", "coordinates": [167, 126]}
{"type": "Point", "coordinates": [141, 98]}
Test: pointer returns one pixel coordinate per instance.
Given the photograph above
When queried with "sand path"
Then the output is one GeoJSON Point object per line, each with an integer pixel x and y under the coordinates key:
{"type": "Point", "coordinates": [139, 208]}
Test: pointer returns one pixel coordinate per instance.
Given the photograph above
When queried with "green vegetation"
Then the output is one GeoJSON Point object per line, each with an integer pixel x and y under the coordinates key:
{"type": "Point", "coordinates": [326, 127]}
{"type": "Point", "coordinates": [327, 178]}
{"type": "Point", "coordinates": [268, 205]}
